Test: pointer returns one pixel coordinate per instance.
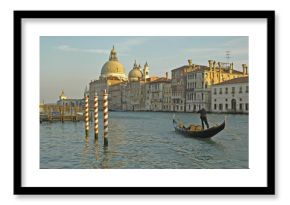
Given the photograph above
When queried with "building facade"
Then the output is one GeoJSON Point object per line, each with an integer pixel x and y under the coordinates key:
{"type": "Point", "coordinates": [167, 93]}
{"type": "Point", "coordinates": [65, 101]}
{"type": "Point", "coordinates": [231, 96]}
{"type": "Point", "coordinates": [178, 84]}
{"type": "Point", "coordinates": [200, 80]}
{"type": "Point", "coordinates": [158, 95]}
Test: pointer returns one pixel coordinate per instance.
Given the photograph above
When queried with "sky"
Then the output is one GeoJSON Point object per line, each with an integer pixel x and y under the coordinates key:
{"type": "Point", "coordinates": [69, 63]}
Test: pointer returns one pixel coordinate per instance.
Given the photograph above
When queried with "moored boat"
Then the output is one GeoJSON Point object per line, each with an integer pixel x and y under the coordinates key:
{"type": "Point", "coordinates": [206, 133]}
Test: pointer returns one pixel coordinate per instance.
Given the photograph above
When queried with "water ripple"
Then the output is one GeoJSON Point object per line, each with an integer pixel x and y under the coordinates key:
{"type": "Point", "coordinates": [143, 140]}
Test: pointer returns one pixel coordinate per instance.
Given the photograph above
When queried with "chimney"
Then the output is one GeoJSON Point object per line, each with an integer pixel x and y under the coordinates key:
{"type": "Point", "coordinates": [189, 62]}
{"type": "Point", "coordinates": [214, 71]}
{"type": "Point", "coordinates": [245, 69]}
{"type": "Point", "coordinates": [210, 69]}
{"type": "Point", "coordinates": [231, 67]}
{"type": "Point", "coordinates": [166, 74]}
{"type": "Point", "coordinates": [220, 72]}
{"type": "Point", "coordinates": [210, 62]}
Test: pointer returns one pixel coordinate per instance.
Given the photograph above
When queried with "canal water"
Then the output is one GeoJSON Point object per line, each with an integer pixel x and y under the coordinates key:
{"type": "Point", "coordinates": [144, 140]}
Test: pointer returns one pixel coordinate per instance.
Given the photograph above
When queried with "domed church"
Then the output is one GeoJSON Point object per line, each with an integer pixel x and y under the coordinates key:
{"type": "Point", "coordinates": [113, 72]}
{"type": "Point", "coordinates": [136, 73]}
{"type": "Point", "coordinates": [113, 69]}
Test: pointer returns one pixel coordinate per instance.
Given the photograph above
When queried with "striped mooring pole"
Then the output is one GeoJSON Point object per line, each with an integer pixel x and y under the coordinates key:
{"type": "Point", "coordinates": [87, 116]}
{"type": "Point", "coordinates": [106, 117]}
{"type": "Point", "coordinates": [96, 107]}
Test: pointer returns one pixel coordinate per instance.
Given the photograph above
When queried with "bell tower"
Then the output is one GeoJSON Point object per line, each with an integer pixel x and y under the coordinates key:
{"type": "Point", "coordinates": [146, 71]}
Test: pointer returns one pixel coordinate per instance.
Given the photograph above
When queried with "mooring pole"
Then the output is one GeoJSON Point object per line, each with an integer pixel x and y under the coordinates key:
{"type": "Point", "coordinates": [96, 117]}
{"type": "Point", "coordinates": [106, 117]}
{"type": "Point", "coordinates": [87, 116]}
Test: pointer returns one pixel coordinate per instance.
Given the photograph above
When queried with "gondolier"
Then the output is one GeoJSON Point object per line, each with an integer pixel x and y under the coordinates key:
{"type": "Point", "coordinates": [203, 118]}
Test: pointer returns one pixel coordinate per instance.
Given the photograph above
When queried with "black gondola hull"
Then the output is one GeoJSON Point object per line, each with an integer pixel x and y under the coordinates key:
{"type": "Point", "coordinates": [208, 133]}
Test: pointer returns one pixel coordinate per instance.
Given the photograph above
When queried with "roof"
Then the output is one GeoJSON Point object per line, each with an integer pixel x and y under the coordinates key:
{"type": "Point", "coordinates": [161, 80]}
{"type": "Point", "coordinates": [235, 81]}
{"type": "Point", "coordinates": [197, 68]}
{"type": "Point", "coordinates": [182, 67]}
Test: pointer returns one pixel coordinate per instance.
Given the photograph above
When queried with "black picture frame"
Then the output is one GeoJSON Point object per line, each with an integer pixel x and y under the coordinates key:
{"type": "Point", "coordinates": [19, 189]}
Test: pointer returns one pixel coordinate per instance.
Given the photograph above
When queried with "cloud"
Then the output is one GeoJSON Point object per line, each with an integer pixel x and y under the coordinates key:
{"type": "Point", "coordinates": [240, 41]}
{"type": "Point", "coordinates": [200, 51]}
{"type": "Point", "coordinates": [68, 48]}
{"type": "Point", "coordinates": [132, 42]}
{"type": "Point", "coordinates": [127, 45]}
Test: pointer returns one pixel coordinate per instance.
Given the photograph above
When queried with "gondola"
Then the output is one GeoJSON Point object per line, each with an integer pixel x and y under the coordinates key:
{"type": "Point", "coordinates": [206, 133]}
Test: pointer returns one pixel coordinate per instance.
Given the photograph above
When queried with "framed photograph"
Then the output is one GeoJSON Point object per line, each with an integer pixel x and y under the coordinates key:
{"type": "Point", "coordinates": [144, 102]}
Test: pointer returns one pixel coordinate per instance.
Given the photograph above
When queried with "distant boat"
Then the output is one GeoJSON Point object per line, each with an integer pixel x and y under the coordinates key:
{"type": "Point", "coordinates": [198, 133]}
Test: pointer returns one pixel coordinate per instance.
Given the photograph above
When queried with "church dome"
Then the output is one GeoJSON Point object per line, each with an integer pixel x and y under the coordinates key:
{"type": "Point", "coordinates": [113, 68]}
{"type": "Point", "coordinates": [135, 74]}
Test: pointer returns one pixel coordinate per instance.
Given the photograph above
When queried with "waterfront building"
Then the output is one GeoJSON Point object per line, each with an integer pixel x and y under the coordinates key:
{"type": "Point", "coordinates": [167, 95]}
{"type": "Point", "coordinates": [197, 89]}
{"type": "Point", "coordinates": [200, 80]}
{"type": "Point", "coordinates": [156, 94]}
{"type": "Point", "coordinates": [178, 83]}
{"type": "Point", "coordinates": [65, 101]}
{"type": "Point", "coordinates": [117, 96]}
{"type": "Point", "coordinates": [134, 96]}
{"type": "Point", "coordinates": [134, 92]}
{"type": "Point", "coordinates": [231, 96]}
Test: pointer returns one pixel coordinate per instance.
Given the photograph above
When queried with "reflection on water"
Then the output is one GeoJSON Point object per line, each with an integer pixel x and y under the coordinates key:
{"type": "Point", "coordinates": [144, 140]}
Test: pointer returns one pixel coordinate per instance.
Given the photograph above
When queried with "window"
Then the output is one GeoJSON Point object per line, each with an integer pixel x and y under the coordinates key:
{"type": "Point", "coordinates": [214, 92]}
{"type": "Point", "coordinates": [221, 91]}
{"type": "Point", "coordinates": [233, 90]}
{"type": "Point", "coordinates": [220, 106]}
{"type": "Point", "coordinates": [241, 89]}
{"type": "Point", "coordinates": [202, 96]}
{"type": "Point", "coordinates": [226, 106]}
{"type": "Point", "coordinates": [226, 91]}
{"type": "Point", "coordinates": [247, 89]}
{"type": "Point", "coordinates": [241, 106]}
{"type": "Point", "coordinates": [215, 106]}
{"type": "Point", "coordinates": [247, 106]}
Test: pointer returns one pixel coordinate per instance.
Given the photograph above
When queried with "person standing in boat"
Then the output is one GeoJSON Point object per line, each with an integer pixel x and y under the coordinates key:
{"type": "Point", "coordinates": [203, 118]}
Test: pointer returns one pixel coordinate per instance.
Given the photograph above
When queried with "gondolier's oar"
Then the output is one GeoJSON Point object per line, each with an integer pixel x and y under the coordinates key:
{"type": "Point", "coordinates": [216, 124]}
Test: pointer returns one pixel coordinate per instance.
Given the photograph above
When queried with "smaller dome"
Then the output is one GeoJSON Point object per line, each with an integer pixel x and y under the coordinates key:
{"type": "Point", "coordinates": [135, 74]}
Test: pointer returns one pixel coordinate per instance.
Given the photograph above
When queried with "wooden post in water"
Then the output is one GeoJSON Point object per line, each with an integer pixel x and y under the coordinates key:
{"type": "Point", "coordinates": [62, 113]}
{"type": "Point", "coordinates": [96, 116]}
{"type": "Point", "coordinates": [106, 116]}
{"type": "Point", "coordinates": [87, 116]}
